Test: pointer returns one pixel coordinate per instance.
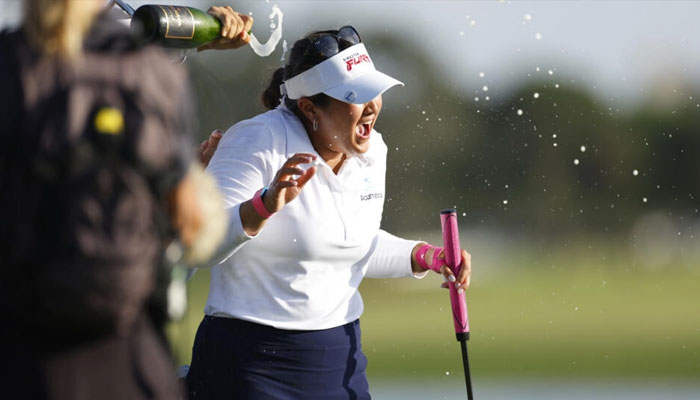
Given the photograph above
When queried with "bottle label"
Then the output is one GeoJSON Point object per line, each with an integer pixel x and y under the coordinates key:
{"type": "Point", "coordinates": [179, 22]}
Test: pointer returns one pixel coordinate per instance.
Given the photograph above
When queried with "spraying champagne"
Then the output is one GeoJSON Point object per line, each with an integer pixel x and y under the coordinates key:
{"type": "Point", "coordinates": [187, 27]}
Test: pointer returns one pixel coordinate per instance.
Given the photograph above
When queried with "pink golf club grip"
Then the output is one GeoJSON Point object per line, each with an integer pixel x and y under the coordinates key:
{"type": "Point", "coordinates": [453, 258]}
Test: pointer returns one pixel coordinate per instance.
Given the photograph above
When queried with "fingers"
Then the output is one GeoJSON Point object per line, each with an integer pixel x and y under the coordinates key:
{"type": "Point", "coordinates": [285, 184]}
{"type": "Point", "coordinates": [234, 26]}
{"type": "Point", "coordinates": [308, 174]}
{"type": "Point", "coordinates": [247, 26]}
{"type": "Point", "coordinates": [445, 270]}
{"type": "Point", "coordinates": [202, 148]}
{"type": "Point", "coordinates": [290, 169]}
{"type": "Point", "coordinates": [463, 280]}
{"type": "Point", "coordinates": [231, 23]}
{"type": "Point", "coordinates": [465, 271]}
{"type": "Point", "coordinates": [287, 172]}
{"type": "Point", "coordinates": [208, 146]}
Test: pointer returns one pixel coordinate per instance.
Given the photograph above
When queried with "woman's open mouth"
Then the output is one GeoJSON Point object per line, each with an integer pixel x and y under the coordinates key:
{"type": "Point", "coordinates": [364, 130]}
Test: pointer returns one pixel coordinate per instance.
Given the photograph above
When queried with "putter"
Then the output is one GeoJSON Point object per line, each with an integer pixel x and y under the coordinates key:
{"type": "Point", "coordinates": [453, 258]}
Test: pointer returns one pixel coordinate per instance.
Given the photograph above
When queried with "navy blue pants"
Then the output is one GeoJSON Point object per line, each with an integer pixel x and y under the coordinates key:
{"type": "Point", "coordinates": [235, 359]}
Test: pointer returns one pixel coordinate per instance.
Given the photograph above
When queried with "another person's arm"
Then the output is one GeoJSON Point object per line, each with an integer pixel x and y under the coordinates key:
{"type": "Point", "coordinates": [207, 148]}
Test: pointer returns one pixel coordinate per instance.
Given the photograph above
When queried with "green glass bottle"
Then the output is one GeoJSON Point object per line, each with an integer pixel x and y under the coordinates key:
{"type": "Point", "coordinates": [174, 26]}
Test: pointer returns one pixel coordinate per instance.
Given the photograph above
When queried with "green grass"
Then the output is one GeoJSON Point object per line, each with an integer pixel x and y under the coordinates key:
{"type": "Point", "coordinates": [577, 318]}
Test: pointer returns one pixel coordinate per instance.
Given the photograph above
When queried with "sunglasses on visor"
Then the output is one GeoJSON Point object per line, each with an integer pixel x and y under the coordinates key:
{"type": "Point", "coordinates": [329, 44]}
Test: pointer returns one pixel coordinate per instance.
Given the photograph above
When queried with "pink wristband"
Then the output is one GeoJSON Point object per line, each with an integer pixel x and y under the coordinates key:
{"type": "Point", "coordinates": [259, 205]}
{"type": "Point", "coordinates": [437, 262]}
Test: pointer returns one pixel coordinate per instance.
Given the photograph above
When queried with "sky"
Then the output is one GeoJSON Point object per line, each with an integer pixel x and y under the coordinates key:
{"type": "Point", "coordinates": [619, 49]}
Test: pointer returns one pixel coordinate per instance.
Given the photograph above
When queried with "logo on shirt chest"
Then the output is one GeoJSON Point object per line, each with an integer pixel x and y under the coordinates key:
{"type": "Point", "coordinates": [369, 187]}
{"type": "Point", "coordinates": [370, 196]}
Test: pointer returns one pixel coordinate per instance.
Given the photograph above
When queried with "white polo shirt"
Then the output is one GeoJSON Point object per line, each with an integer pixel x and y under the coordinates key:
{"type": "Point", "coordinates": [303, 269]}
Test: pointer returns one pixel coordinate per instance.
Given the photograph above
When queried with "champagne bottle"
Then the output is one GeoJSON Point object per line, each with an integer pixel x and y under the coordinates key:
{"type": "Point", "coordinates": [174, 26]}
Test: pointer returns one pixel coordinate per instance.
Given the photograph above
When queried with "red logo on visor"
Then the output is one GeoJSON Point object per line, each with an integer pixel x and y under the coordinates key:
{"type": "Point", "coordinates": [357, 61]}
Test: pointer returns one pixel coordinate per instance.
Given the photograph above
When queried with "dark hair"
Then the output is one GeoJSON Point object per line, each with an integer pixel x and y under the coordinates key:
{"type": "Point", "coordinates": [300, 60]}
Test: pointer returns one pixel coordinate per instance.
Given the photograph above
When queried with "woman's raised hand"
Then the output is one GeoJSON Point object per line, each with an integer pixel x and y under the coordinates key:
{"type": "Point", "coordinates": [289, 181]}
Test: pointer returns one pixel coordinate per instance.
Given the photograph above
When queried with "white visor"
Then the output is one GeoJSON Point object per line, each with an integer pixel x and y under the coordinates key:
{"type": "Point", "coordinates": [348, 76]}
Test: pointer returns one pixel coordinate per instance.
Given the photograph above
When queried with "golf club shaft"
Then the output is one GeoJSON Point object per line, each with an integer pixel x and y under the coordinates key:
{"type": "Point", "coordinates": [467, 374]}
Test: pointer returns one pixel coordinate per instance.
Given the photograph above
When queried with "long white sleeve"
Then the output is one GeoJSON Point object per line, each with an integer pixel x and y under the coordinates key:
{"type": "Point", "coordinates": [391, 257]}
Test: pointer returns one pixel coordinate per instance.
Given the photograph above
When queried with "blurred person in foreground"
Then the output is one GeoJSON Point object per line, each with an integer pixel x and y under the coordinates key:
{"type": "Point", "coordinates": [304, 184]}
{"type": "Point", "coordinates": [96, 179]}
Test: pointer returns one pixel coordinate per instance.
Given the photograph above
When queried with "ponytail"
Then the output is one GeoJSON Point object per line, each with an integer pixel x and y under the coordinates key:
{"type": "Point", "coordinates": [271, 96]}
{"type": "Point", "coordinates": [300, 60]}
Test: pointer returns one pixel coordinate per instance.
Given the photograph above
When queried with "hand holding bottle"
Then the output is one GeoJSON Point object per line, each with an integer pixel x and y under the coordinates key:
{"type": "Point", "coordinates": [187, 27]}
{"type": "Point", "coordinates": [234, 29]}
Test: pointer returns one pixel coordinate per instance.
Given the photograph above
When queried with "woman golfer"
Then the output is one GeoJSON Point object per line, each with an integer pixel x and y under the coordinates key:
{"type": "Point", "coordinates": [304, 185]}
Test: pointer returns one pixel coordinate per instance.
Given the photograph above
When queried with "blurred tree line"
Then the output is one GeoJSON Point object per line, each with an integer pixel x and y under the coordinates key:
{"type": "Point", "coordinates": [548, 158]}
